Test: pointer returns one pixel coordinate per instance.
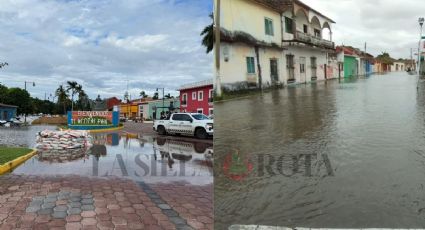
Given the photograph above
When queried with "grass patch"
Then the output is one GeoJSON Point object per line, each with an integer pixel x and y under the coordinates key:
{"type": "Point", "coordinates": [7, 154]}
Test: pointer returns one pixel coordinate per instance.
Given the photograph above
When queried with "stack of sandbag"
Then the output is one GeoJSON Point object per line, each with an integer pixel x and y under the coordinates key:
{"type": "Point", "coordinates": [61, 156]}
{"type": "Point", "coordinates": [63, 140]}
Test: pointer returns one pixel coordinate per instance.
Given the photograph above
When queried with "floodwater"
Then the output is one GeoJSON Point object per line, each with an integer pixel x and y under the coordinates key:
{"type": "Point", "coordinates": [140, 158]}
{"type": "Point", "coordinates": [21, 136]}
{"type": "Point", "coordinates": [335, 154]}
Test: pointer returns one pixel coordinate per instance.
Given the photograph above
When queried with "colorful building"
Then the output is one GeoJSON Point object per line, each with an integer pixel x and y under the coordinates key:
{"type": "Point", "coordinates": [111, 102]}
{"type": "Point", "coordinates": [153, 109]}
{"type": "Point", "coordinates": [7, 112]}
{"type": "Point", "coordinates": [197, 98]}
{"type": "Point", "coordinates": [286, 42]}
{"type": "Point", "coordinates": [131, 108]}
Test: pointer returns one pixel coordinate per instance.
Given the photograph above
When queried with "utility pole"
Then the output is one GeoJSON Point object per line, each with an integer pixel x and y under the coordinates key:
{"type": "Point", "coordinates": [217, 48]}
{"type": "Point", "coordinates": [33, 84]}
{"type": "Point", "coordinates": [421, 23]}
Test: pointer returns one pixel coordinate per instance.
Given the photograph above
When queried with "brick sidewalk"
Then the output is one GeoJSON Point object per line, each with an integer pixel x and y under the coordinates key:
{"type": "Point", "coordinates": [74, 202]}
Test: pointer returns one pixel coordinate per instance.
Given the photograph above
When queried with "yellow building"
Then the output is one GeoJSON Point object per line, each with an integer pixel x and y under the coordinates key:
{"type": "Point", "coordinates": [132, 109]}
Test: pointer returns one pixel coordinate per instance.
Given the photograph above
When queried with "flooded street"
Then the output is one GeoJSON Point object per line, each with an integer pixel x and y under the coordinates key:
{"type": "Point", "coordinates": [347, 154]}
{"type": "Point", "coordinates": [147, 159]}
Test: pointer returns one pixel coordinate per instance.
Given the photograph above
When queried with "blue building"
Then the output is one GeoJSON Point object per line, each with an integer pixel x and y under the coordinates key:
{"type": "Point", "coordinates": [7, 112]}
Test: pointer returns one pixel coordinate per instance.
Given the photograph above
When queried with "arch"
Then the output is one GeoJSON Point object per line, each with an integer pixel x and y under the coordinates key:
{"type": "Point", "coordinates": [302, 19]}
{"type": "Point", "coordinates": [327, 31]}
{"type": "Point", "coordinates": [302, 12]}
{"type": "Point", "coordinates": [315, 22]}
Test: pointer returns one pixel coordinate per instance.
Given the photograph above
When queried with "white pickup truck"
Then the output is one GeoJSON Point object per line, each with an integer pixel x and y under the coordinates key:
{"type": "Point", "coordinates": [191, 124]}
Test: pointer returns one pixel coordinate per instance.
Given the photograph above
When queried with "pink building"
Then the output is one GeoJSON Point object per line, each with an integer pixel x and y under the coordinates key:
{"type": "Point", "coordinates": [197, 98]}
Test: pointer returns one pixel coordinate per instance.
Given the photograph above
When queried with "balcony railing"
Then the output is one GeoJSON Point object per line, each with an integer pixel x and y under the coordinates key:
{"type": "Point", "coordinates": [313, 40]}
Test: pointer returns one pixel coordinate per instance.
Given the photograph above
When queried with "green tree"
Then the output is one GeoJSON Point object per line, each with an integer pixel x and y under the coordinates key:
{"type": "Point", "coordinates": [143, 94]}
{"type": "Point", "coordinates": [208, 36]}
{"type": "Point", "coordinates": [62, 95]}
{"type": "Point", "coordinates": [20, 98]}
{"type": "Point", "coordinates": [73, 87]}
{"type": "Point", "coordinates": [155, 96]}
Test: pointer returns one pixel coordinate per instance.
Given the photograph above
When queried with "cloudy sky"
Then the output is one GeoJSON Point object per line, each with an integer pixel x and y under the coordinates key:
{"type": "Point", "coordinates": [103, 44]}
{"type": "Point", "coordinates": [386, 25]}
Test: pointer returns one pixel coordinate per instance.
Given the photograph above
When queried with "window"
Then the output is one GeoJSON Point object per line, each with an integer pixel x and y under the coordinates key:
{"type": "Point", "coordinates": [200, 111]}
{"type": "Point", "coordinates": [184, 99]}
{"type": "Point", "coordinates": [210, 96]}
{"type": "Point", "coordinates": [317, 33]}
{"type": "Point", "coordinates": [200, 95]}
{"type": "Point", "coordinates": [268, 23]}
{"type": "Point", "coordinates": [193, 95]}
{"type": "Point", "coordinates": [185, 117]}
{"type": "Point", "coordinates": [313, 62]}
{"type": "Point", "coordinates": [305, 29]}
{"type": "Point", "coordinates": [288, 25]}
{"type": "Point", "coordinates": [211, 110]}
{"type": "Point", "coordinates": [302, 68]}
{"type": "Point", "coordinates": [200, 117]}
{"type": "Point", "coordinates": [250, 64]}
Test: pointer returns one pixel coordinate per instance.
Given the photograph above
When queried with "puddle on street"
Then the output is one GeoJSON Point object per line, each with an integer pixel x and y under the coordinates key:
{"type": "Point", "coordinates": [141, 158]}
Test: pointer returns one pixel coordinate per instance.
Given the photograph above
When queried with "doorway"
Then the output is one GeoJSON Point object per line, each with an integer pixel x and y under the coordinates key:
{"type": "Point", "coordinates": [302, 70]}
{"type": "Point", "coordinates": [274, 74]}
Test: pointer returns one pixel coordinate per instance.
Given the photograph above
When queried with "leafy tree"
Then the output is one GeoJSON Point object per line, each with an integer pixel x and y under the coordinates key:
{"type": "Point", "coordinates": [3, 64]}
{"type": "Point", "coordinates": [208, 36]}
{"type": "Point", "coordinates": [20, 98]}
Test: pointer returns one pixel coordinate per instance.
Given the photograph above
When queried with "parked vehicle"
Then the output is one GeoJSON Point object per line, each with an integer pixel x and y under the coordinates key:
{"type": "Point", "coordinates": [190, 124]}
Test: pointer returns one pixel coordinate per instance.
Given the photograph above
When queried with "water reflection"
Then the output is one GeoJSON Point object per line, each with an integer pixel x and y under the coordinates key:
{"type": "Point", "coordinates": [132, 156]}
{"type": "Point", "coordinates": [345, 154]}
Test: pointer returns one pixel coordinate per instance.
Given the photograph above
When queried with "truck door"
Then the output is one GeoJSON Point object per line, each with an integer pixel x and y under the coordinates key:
{"type": "Point", "coordinates": [174, 123]}
{"type": "Point", "coordinates": [186, 124]}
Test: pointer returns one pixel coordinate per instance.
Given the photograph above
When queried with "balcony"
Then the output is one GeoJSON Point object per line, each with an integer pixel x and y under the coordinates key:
{"type": "Point", "coordinates": [313, 40]}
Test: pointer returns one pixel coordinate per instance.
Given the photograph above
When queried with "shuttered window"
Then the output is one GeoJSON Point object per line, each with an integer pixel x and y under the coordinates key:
{"type": "Point", "coordinates": [250, 65]}
{"type": "Point", "coordinates": [268, 23]}
{"type": "Point", "coordinates": [288, 25]}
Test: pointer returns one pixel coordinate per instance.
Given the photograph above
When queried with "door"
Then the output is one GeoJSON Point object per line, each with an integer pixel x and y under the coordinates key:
{"type": "Point", "coordinates": [185, 124]}
{"type": "Point", "coordinates": [174, 123]}
{"type": "Point", "coordinates": [290, 68]}
{"type": "Point", "coordinates": [302, 70]}
{"type": "Point", "coordinates": [313, 68]}
{"type": "Point", "coordinates": [274, 74]}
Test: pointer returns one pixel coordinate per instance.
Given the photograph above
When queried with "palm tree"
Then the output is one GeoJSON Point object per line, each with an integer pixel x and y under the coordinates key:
{"type": "Point", "coordinates": [143, 94]}
{"type": "Point", "coordinates": [208, 33]}
{"type": "Point", "coordinates": [62, 95]}
{"type": "Point", "coordinates": [82, 98]}
{"type": "Point", "coordinates": [73, 87]}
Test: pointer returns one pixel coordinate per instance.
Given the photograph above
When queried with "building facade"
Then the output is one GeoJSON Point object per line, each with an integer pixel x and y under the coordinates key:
{"type": "Point", "coordinates": [154, 108]}
{"type": "Point", "coordinates": [273, 43]}
{"type": "Point", "coordinates": [7, 112]}
{"type": "Point", "coordinates": [197, 98]}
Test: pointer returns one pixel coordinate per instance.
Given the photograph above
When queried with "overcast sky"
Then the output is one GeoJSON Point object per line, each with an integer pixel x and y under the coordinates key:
{"type": "Point", "coordinates": [103, 43]}
{"type": "Point", "coordinates": [386, 25]}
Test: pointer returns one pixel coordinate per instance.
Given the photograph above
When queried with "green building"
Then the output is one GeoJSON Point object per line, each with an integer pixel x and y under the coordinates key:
{"type": "Point", "coordinates": [350, 66]}
{"type": "Point", "coordinates": [148, 108]}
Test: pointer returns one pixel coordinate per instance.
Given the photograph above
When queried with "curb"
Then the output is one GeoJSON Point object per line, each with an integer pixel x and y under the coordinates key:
{"type": "Point", "coordinates": [9, 166]}
{"type": "Point", "coordinates": [104, 130]}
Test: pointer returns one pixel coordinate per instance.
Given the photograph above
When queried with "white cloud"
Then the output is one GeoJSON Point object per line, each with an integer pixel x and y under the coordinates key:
{"type": "Point", "coordinates": [102, 44]}
{"type": "Point", "coordinates": [142, 43]}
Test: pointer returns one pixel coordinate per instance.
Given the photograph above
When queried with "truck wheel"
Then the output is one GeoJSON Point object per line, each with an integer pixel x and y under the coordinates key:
{"type": "Point", "coordinates": [161, 130]}
{"type": "Point", "coordinates": [201, 133]}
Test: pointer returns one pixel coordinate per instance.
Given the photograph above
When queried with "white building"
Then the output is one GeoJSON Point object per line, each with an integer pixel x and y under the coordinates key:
{"type": "Point", "coordinates": [267, 43]}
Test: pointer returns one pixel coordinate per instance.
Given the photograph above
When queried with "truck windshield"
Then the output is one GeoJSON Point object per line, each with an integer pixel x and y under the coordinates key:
{"type": "Point", "coordinates": [200, 117]}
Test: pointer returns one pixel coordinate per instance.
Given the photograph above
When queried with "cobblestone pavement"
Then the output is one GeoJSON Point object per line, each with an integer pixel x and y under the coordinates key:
{"type": "Point", "coordinates": [74, 202]}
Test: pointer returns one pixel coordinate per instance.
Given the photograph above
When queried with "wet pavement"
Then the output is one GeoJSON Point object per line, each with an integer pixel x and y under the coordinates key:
{"type": "Point", "coordinates": [122, 182]}
{"type": "Point", "coordinates": [347, 154]}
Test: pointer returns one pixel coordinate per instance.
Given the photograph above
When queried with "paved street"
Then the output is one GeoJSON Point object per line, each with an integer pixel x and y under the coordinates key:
{"type": "Point", "coordinates": [73, 202]}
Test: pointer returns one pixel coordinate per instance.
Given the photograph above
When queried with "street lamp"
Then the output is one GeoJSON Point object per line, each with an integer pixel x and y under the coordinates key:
{"type": "Point", "coordinates": [33, 84]}
{"type": "Point", "coordinates": [421, 23]}
{"type": "Point", "coordinates": [163, 104]}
